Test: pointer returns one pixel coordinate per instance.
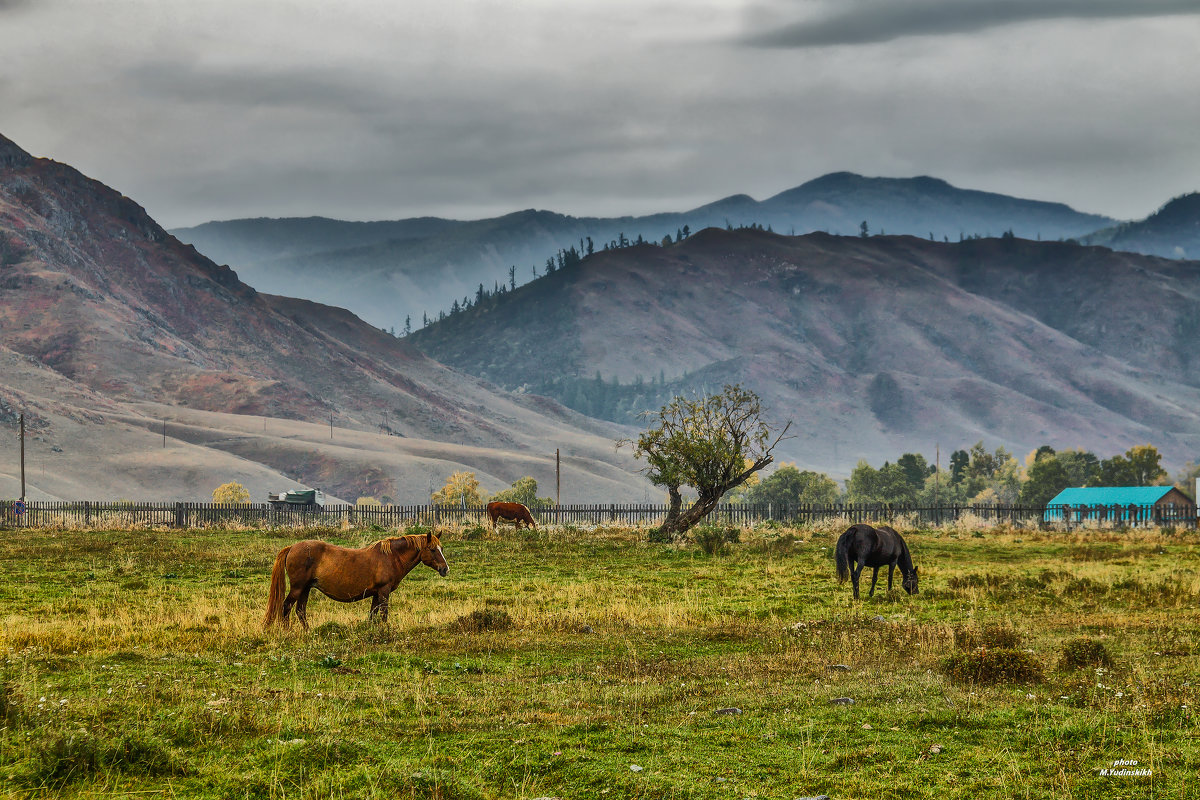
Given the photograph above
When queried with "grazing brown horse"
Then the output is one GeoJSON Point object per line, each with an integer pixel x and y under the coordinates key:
{"type": "Point", "coordinates": [510, 512]}
{"type": "Point", "coordinates": [863, 546]}
{"type": "Point", "coordinates": [348, 575]}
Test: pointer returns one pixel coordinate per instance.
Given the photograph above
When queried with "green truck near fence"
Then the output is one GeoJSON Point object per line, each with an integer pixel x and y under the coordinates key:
{"type": "Point", "coordinates": [309, 498]}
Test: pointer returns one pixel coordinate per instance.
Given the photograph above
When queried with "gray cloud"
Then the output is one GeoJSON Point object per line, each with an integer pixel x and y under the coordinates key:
{"type": "Point", "coordinates": [873, 21]}
{"type": "Point", "coordinates": [368, 111]}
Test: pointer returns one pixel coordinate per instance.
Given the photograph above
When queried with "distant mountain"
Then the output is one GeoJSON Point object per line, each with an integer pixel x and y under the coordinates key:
{"type": "Point", "coordinates": [111, 329]}
{"type": "Point", "coordinates": [873, 346]}
{"type": "Point", "coordinates": [387, 271]}
{"type": "Point", "coordinates": [1172, 232]}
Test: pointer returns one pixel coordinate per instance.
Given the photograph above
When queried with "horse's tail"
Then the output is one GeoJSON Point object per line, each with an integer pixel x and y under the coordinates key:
{"type": "Point", "coordinates": [843, 555]}
{"type": "Point", "coordinates": [275, 598]}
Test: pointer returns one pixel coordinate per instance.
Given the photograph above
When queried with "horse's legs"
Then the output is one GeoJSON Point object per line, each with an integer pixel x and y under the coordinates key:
{"type": "Point", "coordinates": [855, 571]}
{"type": "Point", "coordinates": [891, 569]}
{"type": "Point", "coordinates": [874, 577]}
{"type": "Point", "coordinates": [302, 607]}
{"type": "Point", "coordinates": [379, 605]}
{"type": "Point", "coordinates": [292, 599]}
{"type": "Point", "coordinates": [378, 609]}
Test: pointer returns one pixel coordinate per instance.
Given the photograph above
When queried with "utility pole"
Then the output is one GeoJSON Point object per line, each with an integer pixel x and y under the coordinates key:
{"type": "Point", "coordinates": [937, 469]}
{"type": "Point", "coordinates": [164, 431]}
{"type": "Point", "coordinates": [557, 478]}
{"type": "Point", "coordinates": [22, 434]}
{"type": "Point", "coordinates": [330, 424]}
{"type": "Point", "coordinates": [937, 478]}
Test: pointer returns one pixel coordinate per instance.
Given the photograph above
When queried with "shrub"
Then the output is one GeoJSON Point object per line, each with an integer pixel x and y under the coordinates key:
{"type": "Point", "coordinates": [1084, 586]}
{"type": "Point", "coordinates": [10, 707]}
{"type": "Point", "coordinates": [659, 536]}
{"type": "Point", "coordinates": [1084, 652]}
{"type": "Point", "coordinates": [993, 666]}
{"type": "Point", "coordinates": [976, 581]}
{"type": "Point", "coordinates": [232, 492]}
{"type": "Point", "coordinates": [970, 638]}
{"type": "Point", "coordinates": [483, 620]}
{"type": "Point", "coordinates": [714, 539]}
{"type": "Point", "coordinates": [72, 757]}
{"type": "Point", "coordinates": [474, 532]}
{"type": "Point", "coordinates": [331, 630]}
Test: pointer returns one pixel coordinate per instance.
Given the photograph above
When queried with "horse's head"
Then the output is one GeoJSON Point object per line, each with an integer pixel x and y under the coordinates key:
{"type": "Point", "coordinates": [432, 555]}
{"type": "Point", "coordinates": [910, 582]}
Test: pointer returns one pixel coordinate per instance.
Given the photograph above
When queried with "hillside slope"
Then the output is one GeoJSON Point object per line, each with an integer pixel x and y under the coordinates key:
{"type": "Point", "coordinates": [112, 319]}
{"type": "Point", "coordinates": [1172, 232]}
{"type": "Point", "coordinates": [872, 346]}
{"type": "Point", "coordinates": [387, 271]}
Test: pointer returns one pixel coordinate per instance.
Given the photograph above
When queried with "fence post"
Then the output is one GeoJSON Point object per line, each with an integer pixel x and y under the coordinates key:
{"type": "Point", "coordinates": [179, 515]}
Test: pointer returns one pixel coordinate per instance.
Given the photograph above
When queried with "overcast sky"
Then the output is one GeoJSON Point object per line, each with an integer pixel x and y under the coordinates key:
{"type": "Point", "coordinates": [217, 109]}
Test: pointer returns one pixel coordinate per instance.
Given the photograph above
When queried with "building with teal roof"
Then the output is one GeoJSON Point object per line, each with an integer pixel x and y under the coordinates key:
{"type": "Point", "coordinates": [1132, 504]}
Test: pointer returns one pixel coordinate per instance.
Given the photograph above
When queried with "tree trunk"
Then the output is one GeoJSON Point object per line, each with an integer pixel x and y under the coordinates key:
{"type": "Point", "coordinates": [675, 526]}
{"type": "Point", "coordinates": [663, 534]}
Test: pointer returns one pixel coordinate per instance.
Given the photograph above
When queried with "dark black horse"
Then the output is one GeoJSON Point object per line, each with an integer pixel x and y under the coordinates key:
{"type": "Point", "coordinates": [865, 546]}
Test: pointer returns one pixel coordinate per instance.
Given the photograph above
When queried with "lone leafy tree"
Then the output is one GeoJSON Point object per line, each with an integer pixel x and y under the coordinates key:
{"type": "Point", "coordinates": [232, 492]}
{"type": "Point", "coordinates": [524, 491]}
{"type": "Point", "coordinates": [462, 488]}
{"type": "Point", "coordinates": [711, 444]}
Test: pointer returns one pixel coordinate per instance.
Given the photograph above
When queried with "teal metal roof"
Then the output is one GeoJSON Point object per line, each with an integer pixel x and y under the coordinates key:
{"type": "Point", "coordinates": [1111, 496]}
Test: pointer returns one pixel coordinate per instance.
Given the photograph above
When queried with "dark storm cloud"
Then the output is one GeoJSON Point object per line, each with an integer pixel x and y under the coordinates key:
{"type": "Point", "coordinates": [271, 88]}
{"type": "Point", "coordinates": [874, 21]}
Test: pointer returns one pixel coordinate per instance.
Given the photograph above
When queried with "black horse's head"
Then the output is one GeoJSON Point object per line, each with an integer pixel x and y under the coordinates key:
{"type": "Point", "coordinates": [910, 582]}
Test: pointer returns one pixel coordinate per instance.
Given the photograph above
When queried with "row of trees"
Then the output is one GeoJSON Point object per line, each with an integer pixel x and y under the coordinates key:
{"type": "Point", "coordinates": [565, 259]}
{"type": "Point", "coordinates": [462, 489]}
{"type": "Point", "coordinates": [976, 475]}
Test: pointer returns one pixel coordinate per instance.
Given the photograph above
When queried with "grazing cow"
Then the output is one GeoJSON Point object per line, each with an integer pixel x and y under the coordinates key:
{"type": "Point", "coordinates": [510, 512]}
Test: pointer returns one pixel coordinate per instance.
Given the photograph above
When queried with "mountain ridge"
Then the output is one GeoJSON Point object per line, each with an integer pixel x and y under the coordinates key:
{"type": "Point", "coordinates": [104, 314]}
{"type": "Point", "coordinates": [1015, 342]}
{"type": "Point", "coordinates": [422, 274]}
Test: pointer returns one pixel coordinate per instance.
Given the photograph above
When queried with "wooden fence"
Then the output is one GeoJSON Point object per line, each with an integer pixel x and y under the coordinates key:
{"type": "Point", "coordinates": [101, 514]}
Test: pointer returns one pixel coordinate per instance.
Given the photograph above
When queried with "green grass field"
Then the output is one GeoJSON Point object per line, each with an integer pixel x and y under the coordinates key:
{"type": "Point", "coordinates": [592, 664]}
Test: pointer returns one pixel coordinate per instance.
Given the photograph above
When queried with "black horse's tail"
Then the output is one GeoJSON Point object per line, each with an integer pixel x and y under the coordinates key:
{"type": "Point", "coordinates": [843, 555]}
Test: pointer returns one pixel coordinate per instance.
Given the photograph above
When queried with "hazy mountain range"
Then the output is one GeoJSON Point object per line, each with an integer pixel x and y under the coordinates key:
{"type": "Point", "coordinates": [387, 271]}
{"type": "Point", "coordinates": [147, 371]}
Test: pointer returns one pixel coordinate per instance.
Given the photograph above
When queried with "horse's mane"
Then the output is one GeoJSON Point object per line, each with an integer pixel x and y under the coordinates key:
{"type": "Point", "coordinates": [411, 540]}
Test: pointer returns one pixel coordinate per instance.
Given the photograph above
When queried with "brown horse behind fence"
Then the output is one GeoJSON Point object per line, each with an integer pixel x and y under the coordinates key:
{"type": "Point", "coordinates": [510, 512]}
{"type": "Point", "coordinates": [346, 574]}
